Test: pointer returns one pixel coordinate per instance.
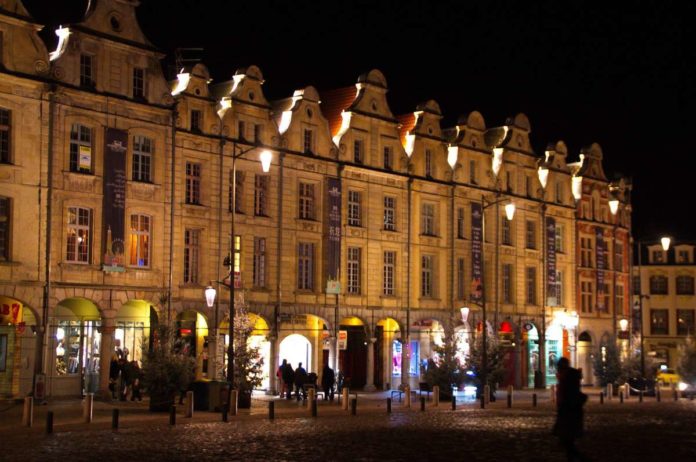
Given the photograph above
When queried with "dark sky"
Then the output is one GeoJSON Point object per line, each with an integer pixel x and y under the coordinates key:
{"type": "Point", "coordinates": [620, 74]}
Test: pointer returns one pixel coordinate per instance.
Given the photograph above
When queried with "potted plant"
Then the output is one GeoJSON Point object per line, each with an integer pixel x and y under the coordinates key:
{"type": "Point", "coordinates": [167, 370]}
{"type": "Point", "coordinates": [248, 363]}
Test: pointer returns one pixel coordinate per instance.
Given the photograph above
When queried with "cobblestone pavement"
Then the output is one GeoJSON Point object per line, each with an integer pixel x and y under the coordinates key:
{"type": "Point", "coordinates": [631, 431]}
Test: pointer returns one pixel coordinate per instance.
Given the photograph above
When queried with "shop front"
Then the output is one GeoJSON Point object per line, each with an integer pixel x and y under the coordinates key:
{"type": "Point", "coordinates": [17, 348]}
{"type": "Point", "coordinates": [258, 339]}
{"type": "Point", "coordinates": [191, 338]}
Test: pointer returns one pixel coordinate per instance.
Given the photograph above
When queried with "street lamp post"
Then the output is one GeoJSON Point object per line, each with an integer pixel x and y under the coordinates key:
{"type": "Point", "coordinates": [614, 208]}
{"type": "Point", "coordinates": [265, 157]}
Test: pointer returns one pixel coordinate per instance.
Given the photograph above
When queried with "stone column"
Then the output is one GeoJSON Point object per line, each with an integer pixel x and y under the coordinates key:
{"type": "Point", "coordinates": [333, 353]}
{"type": "Point", "coordinates": [106, 349]}
{"type": "Point", "coordinates": [273, 366]}
{"type": "Point", "coordinates": [370, 385]}
{"type": "Point", "coordinates": [405, 360]}
{"type": "Point", "coordinates": [212, 353]}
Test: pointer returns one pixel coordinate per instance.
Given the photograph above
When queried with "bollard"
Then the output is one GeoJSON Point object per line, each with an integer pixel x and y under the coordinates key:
{"type": "Point", "coordinates": [483, 402]}
{"type": "Point", "coordinates": [114, 419]}
{"type": "Point", "coordinates": [509, 396]}
{"type": "Point", "coordinates": [49, 422]}
{"type": "Point", "coordinates": [640, 396]}
{"type": "Point", "coordinates": [486, 394]}
{"type": "Point", "coordinates": [311, 396]}
{"type": "Point", "coordinates": [422, 400]}
{"type": "Point", "coordinates": [225, 410]}
{"type": "Point", "coordinates": [610, 391]}
{"type": "Point", "coordinates": [454, 402]}
{"type": "Point", "coordinates": [436, 395]}
{"type": "Point", "coordinates": [88, 409]}
{"type": "Point", "coordinates": [601, 397]}
{"type": "Point", "coordinates": [189, 404]}
{"type": "Point", "coordinates": [627, 392]}
{"type": "Point", "coordinates": [407, 399]}
{"type": "Point", "coordinates": [314, 407]}
{"type": "Point", "coordinates": [676, 396]}
{"type": "Point", "coordinates": [389, 405]}
{"type": "Point", "coordinates": [534, 400]}
{"type": "Point", "coordinates": [658, 398]}
{"type": "Point", "coordinates": [621, 399]}
{"type": "Point", "coordinates": [354, 406]}
{"type": "Point", "coordinates": [271, 410]}
{"type": "Point", "coordinates": [28, 415]}
{"type": "Point", "coordinates": [344, 399]}
{"type": "Point", "coordinates": [234, 402]}
{"type": "Point", "coordinates": [172, 415]}
{"type": "Point", "coordinates": [552, 394]}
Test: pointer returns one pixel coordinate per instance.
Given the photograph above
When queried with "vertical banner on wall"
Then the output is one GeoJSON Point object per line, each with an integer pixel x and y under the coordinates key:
{"type": "Point", "coordinates": [332, 236]}
{"type": "Point", "coordinates": [601, 264]}
{"type": "Point", "coordinates": [551, 283]}
{"type": "Point", "coordinates": [476, 243]}
{"type": "Point", "coordinates": [115, 147]}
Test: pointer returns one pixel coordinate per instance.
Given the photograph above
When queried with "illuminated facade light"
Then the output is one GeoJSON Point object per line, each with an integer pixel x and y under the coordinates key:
{"type": "Point", "coordinates": [614, 206]}
{"type": "Point", "coordinates": [63, 33]}
{"type": "Point", "coordinates": [543, 173]}
{"type": "Point", "coordinates": [452, 156]}
{"type": "Point", "coordinates": [510, 211]}
{"type": "Point", "coordinates": [665, 241]}
{"type": "Point", "coordinates": [210, 296]}
{"type": "Point", "coordinates": [266, 158]}
{"type": "Point", "coordinates": [497, 160]}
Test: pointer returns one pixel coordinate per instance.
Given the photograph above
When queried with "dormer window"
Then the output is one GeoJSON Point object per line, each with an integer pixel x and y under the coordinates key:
{"type": "Point", "coordinates": [358, 151]}
{"type": "Point", "coordinates": [196, 120]}
{"type": "Point", "coordinates": [428, 163]}
{"type": "Point", "coordinates": [242, 129]}
{"type": "Point", "coordinates": [683, 256]}
{"type": "Point", "coordinates": [86, 71]}
{"type": "Point", "coordinates": [388, 158]}
{"type": "Point", "coordinates": [308, 140]}
{"type": "Point", "coordinates": [138, 83]}
{"type": "Point", "coordinates": [657, 256]}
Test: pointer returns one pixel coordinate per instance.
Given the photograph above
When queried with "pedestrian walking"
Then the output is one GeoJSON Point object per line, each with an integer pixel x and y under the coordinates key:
{"type": "Point", "coordinates": [135, 380]}
{"type": "Point", "coordinates": [300, 380]}
{"type": "Point", "coordinates": [114, 370]}
{"type": "Point", "coordinates": [569, 406]}
{"type": "Point", "coordinates": [288, 379]}
{"type": "Point", "coordinates": [327, 382]}
{"type": "Point", "coordinates": [279, 376]}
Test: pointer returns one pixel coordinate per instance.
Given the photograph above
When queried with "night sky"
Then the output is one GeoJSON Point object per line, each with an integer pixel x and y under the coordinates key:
{"type": "Point", "coordinates": [621, 74]}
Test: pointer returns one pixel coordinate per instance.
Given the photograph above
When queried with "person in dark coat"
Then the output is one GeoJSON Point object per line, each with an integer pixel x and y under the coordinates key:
{"type": "Point", "coordinates": [288, 378]}
{"type": "Point", "coordinates": [114, 371]}
{"type": "Point", "coordinates": [300, 380]}
{"type": "Point", "coordinates": [569, 406]}
{"type": "Point", "coordinates": [279, 375]}
{"type": "Point", "coordinates": [135, 378]}
{"type": "Point", "coordinates": [327, 382]}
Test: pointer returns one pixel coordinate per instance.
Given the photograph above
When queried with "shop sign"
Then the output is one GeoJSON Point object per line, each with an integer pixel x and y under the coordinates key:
{"type": "Point", "coordinates": [10, 311]}
{"type": "Point", "coordinates": [342, 339]}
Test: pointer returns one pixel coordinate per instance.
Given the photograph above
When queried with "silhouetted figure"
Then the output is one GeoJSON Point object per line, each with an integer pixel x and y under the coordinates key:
{"type": "Point", "coordinates": [288, 379]}
{"type": "Point", "coordinates": [327, 382]}
{"type": "Point", "coordinates": [300, 380]}
{"type": "Point", "coordinates": [569, 403]}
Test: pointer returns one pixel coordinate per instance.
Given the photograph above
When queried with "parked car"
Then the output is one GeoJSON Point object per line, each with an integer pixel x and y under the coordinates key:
{"type": "Point", "coordinates": [687, 390]}
{"type": "Point", "coordinates": [638, 384]}
{"type": "Point", "coordinates": [667, 377]}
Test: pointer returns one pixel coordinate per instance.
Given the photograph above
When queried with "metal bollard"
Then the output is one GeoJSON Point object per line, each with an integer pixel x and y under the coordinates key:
{"type": "Point", "coordinates": [114, 419]}
{"type": "Point", "coordinates": [534, 400]}
{"type": "Point", "coordinates": [344, 399]}
{"type": "Point", "coordinates": [313, 407]}
{"type": "Point", "coordinates": [422, 401]}
{"type": "Point", "coordinates": [49, 422]}
{"type": "Point", "coordinates": [311, 396]}
{"type": "Point", "coordinates": [172, 415]}
{"type": "Point", "coordinates": [658, 398]}
{"type": "Point", "coordinates": [225, 410]}
{"type": "Point", "coordinates": [601, 397]}
{"type": "Point", "coordinates": [354, 406]}
{"type": "Point", "coordinates": [610, 391]}
{"type": "Point", "coordinates": [509, 396]}
{"type": "Point", "coordinates": [88, 409]}
{"type": "Point", "coordinates": [640, 396]}
{"type": "Point", "coordinates": [189, 404]}
{"type": "Point", "coordinates": [627, 392]}
{"type": "Point", "coordinates": [436, 395]}
{"type": "Point", "coordinates": [234, 402]}
{"type": "Point", "coordinates": [454, 402]}
{"type": "Point", "coordinates": [389, 405]}
{"type": "Point", "coordinates": [28, 414]}
{"type": "Point", "coordinates": [483, 402]}
{"type": "Point", "coordinates": [621, 398]}
{"type": "Point", "coordinates": [407, 399]}
{"type": "Point", "coordinates": [271, 410]}
{"type": "Point", "coordinates": [487, 394]}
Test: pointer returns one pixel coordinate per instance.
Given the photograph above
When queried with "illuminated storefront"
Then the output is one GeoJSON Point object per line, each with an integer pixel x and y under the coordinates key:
{"type": "Point", "coordinates": [17, 347]}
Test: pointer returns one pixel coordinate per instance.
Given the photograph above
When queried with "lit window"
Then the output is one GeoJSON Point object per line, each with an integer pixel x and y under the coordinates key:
{"type": "Point", "coordinates": [80, 149]}
{"type": "Point", "coordinates": [79, 224]}
{"type": "Point", "coordinates": [140, 241]}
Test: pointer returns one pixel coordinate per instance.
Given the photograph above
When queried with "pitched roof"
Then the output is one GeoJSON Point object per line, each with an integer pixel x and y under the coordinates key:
{"type": "Point", "coordinates": [333, 102]}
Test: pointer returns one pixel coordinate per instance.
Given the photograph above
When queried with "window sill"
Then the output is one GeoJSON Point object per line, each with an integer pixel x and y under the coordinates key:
{"type": "Point", "coordinates": [9, 263]}
{"type": "Point", "coordinates": [389, 230]}
{"type": "Point", "coordinates": [389, 297]}
{"type": "Point", "coordinates": [428, 235]}
{"type": "Point", "coordinates": [429, 299]}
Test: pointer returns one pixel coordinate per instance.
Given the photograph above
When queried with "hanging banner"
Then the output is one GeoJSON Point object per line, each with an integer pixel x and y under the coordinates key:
{"type": "Point", "coordinates": [342, 339]}
{"type": "Point", "coordinates": [115, 147]}
{"type": "Point", "coordinates": [551, 283]}
{"type": "Point", "coordinates": [332, 236]}
{"type": "Point", "coordinates": [476, 247]}
{"type": "Point", "coordinates": [601, 264]}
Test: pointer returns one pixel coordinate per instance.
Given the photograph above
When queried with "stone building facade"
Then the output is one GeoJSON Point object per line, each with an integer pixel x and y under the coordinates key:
{"type": "Point", "coordinates": [121, 195]}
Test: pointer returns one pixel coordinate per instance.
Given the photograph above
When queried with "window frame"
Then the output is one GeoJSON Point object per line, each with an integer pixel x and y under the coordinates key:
{"type": "Point", "coordinates": [354, 208]}
{"type": "Point", "coordinates": [81, 135]}
{"type": "Point", "coordinates": [192, 251]}
{"type": "Point", "coordinates": [136, 239]}
{"type": "Point", "coordinates": [142, 155]}
{"type": "Point", "coordinates": [5, 136]}
{"type": "Point", "coordinates": [389, 213]}
{"type": "Point", "coordinates": [79, 231]}
{"type": "Point", "coordinates": [353, 270]}
{"type": "Point", "coordinates": [194, 177]}
{"type": "Point", "coordinates": [306, 206]}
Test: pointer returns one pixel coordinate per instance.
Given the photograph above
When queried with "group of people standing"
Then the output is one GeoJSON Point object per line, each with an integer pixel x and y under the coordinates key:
{"type": "Point", "coordinates": [299, 378]}
{"type": "Point", "coordinates": [124, 376]}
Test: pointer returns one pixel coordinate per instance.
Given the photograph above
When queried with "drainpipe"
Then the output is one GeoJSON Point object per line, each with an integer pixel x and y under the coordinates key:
{"type": "Point", "coordinates": [405, 341]}
{"type": "Point", "coordinates": [171, 217]}
{"type": "Point", "coordinates": [279, 285]}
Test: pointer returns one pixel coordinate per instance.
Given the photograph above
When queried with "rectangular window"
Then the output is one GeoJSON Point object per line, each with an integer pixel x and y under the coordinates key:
{"type": "Point", "coordinates": [358, 151]}
{"type": "Point", "coordinates": [354, 270]}
{"type": "Point", "coordinates": [306, 204]}
{"type": "Point", "coordinates": [586, 296]}
{"type": "Point", "coordinates": [461, 281]}
{"type": "Point", "coordinates": [193, 183]}
{"type": "Point", "coordinates": [657, 256]}
{"type": "Point", "coordinates": [559, 238]}
{"type": "Point", "coordinates": [258, 133]}
{"type": "Point", "coordinates": [528, 185]}
{"type": "Point", "coordinates": [586, 252]}
{"type": "Point", "coordinates": [5, 136]}
{"type": "Point", "coordinates": [139, 241]}
{"type": "Point", "coordinates": [308, 143]}
{"type": "Point", "coordinates": [427, 276]}
{"type": "Point", "coordinates": [354, 206]}
{"type": "Point", "coordinates": [508, 181]}
{"type": "Point", "coordinates": [389, 213]}
{"type": "Point", "coordinates": [619, 297]}
{"type": "Point", "coordinates": [531, 286]}
{"type": "Point", "coordinates": [507, 283]}
{"type": "Point", "coordinates": [196, 120]}
{"type": "Point", "coordinates": [658, 285]}
{"type": "Point", "coordinates": [506, 231]}
{"type": "Point", "coordinates": [559, 192]}
{"type": "Point", "coordinates": [472, 171]}
{"type": "Point", "coordinates": [259, 262]}
{"type": "Point", "coordinates": [685, 322]}
{"type": "Point", "coordinates": [389, 272]}
{"type": "Point", "coordinates": [241, 129]}
{"type": "Point", "coordinates": [460, 223]}
{"type": "Point", "coordinates": [636, 285]}
{"type": "Point", "coordinates": [238, 187]}
{"type": "Point", "coordinates": [86, 71]}
{"type": "Point", "coordinates": [428, 219]}
{"type": "Point", "coordinates": [142, 158]}
{"type": "Point", "coordinates": [530, 234]}
{"type": "Point", "coordinates": [659, 322]}
{"type": "Point", "coordinates": [559, 288]}
{"type": "Point", "coordinates": [79, 226]}
{"type": "Point", "coordinates": [682, 255]}
{"type": "Point", "coordinates": [618, 256]}
{"type": "Point", "coordinates": [428, 163]}
{"type": "Point", "coordinates": [191, 254]}
{"type": "Point", "coordinates": [685, 285]}
{"type": "Point", "coordinates": [138, 83]}
{"type": "Point", "coordinates": [388, 158]}
{"type": "Point", "coordinates": [305, 266]}
{"type": "Point", "coordinates": [261, 183]}
{"type": "Point", "coordinates": [80, 148]}
{"type": "Point", "coordinates": [5, 228]}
